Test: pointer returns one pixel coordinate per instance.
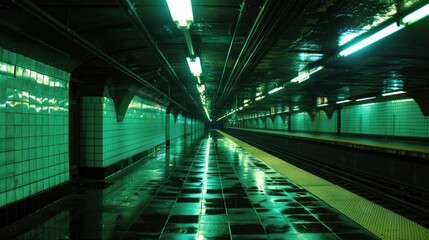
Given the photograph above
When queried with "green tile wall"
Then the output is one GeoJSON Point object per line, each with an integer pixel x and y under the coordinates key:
{"type": "Point", "coordinates": [33, 127]}
{"type": "Point", "coordinates": [269, 124]}
{"type": "Point", "coordinates": [106, 141]}
{"type": "Point", "coordinates": [188, 126]}
{"type": "Point", "coordinates": [302, 122]}
{"type": "Point", "coordinates": [199, 129]}
{"type": "Point", "coordinates": [257, 123]}
{"type": "Point", "coordinates": [279, 124]}
{"type": "Point", "coordinates": [177, 128]}
{"type": "Point", "coordinates": [390, 118]}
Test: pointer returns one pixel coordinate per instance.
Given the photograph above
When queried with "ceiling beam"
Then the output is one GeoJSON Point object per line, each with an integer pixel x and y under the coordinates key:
{"type": "Point", "coordinates": [42, 15]}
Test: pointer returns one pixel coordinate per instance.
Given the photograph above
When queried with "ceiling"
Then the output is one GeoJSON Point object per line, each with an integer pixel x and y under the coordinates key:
{"type": "Point", "coordinates": [247, 47]}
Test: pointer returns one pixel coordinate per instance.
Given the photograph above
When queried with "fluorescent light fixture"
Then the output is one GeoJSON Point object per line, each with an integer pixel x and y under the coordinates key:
{"type": "Point", "coordinates": [221, 118]}
{"type": "Point", "coordinates": [343, 101]}
{"type": "Point", "coordinates": [240, 108]}
{"type": "Point", "coordinates": [392, 28]}
{"type": "Point", "coordinates": [416, 15]}
{"type": "Point", "coordinates": [315, 70]}
{"type": "Point", "coordinates": [195, 66]}
{"type": "Point", "coordinates": [246, 101]}
{"type": "Point", "coordinates": [181, 12]}
{"type": "Point", "coordinates": [322, 105]}
{"type": "Point", "coordinates": [207, 113]}
{"type": "Point", "coordinates": [364, 99]}
{"type": "Point", "coordinates": [259, 98]}
{"type": "Point", "coordinates": [302, 76]}
{"type": "Point", "coordinates": [245, 105]}
{"type": "Point", "coordinates": [275, 90]}
{"type": "Point", "coordinates": [201, 88]}
{"type": "Point", "coordinates": [392, 93]}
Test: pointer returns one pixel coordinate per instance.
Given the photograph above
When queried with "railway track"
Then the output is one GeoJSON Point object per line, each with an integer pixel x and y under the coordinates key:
{"type": "Point", "coordinates": [401, 199]}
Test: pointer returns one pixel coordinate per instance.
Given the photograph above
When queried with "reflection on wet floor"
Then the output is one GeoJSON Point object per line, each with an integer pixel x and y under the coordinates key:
{"type": "Point", "coordinates": [207, 193]}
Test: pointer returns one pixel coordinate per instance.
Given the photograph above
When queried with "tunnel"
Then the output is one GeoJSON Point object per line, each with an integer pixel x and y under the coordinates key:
{"type": "Point", "coordinates": [204, 119]}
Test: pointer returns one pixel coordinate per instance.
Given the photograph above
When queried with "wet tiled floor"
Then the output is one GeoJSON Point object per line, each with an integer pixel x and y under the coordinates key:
{"type": "Point", "coordinates": [210, 192]}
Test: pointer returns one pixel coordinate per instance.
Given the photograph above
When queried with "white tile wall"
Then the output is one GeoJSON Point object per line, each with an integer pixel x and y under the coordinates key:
{"type": "Point", "coordinates": [106, 141]}
{"type": "Point", "coordinates": [33, 127]}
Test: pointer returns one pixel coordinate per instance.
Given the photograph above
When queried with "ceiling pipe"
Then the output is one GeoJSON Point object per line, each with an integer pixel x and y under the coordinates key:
{"type": "Point", "coordinates": [259, 45]}
{"type": "Point", "coordinates": [40, 14]}
{"type": "Point", "coordinates": [255, 26]}
{"type": "Point", "coordinates": [255, 47]}
{"type": "Point", "coordinates": [138, 23]}
{"type": "Point", "coordinates": [277, 22]}
{"type": "Point", "coordinates": [189, 42]}
{"type": "Point", "coordinates": [234, 35]}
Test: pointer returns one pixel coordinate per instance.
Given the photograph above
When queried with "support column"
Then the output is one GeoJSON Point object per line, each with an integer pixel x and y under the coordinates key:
{"type": "Point", "coordinates": [339, 120]}
{"type": "Point", "coordinates": [167, 126]}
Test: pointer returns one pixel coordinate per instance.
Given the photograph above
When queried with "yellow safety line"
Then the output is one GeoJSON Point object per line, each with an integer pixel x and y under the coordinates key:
{"type": "Point", "coordinates": [382, 222]}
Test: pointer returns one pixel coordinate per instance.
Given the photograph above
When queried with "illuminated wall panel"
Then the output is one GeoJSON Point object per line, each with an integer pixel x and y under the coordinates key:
{"type": "Point", "coordinates": [34, 100]}
{"type": "Point", "coordinates": [269, 123]}
{"type": "Point", "coordinates": [302, 122]}
{"type": "Point", "coordinates": [260, 124]}
{"type": "Point", "coordinates": [390, 118]}
{"type": "Point", "coordinates": [253, 123]}
{"type": "Point", "coordinates": [106, 141]}
{"type": "Point", "coordinates": [279, 124]}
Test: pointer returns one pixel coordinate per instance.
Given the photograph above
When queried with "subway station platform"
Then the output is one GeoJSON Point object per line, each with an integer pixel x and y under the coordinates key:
{"type": "Point", "coordinates": [227, 190]}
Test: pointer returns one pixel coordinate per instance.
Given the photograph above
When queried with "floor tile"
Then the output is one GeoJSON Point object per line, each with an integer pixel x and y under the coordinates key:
{"type": "Point", "coordinates": [223, 194]}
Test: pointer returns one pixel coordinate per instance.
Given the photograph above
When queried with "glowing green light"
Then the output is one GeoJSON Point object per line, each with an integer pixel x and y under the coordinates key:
{"type": "Point", "coordinates": [392, 28]}
{"type": "Point", "coordinates": [364, 99]}
{"type": "Point", "coordinates": [275, 90]}
{"type": "Point", "coordinates": [343, 101]}
{"type": "Point", "coordinates": [302, 76]}
{"type": "Point", "coordinates": [201, 88]}
{"type": "Point", "coordinates": [259, 98]}
{"type": "Point", "coordinates": [7, 68]}
{"type": "Point", "coordinates": [417, 15]}
{"type": "Point", "coordinates": [392, 93]}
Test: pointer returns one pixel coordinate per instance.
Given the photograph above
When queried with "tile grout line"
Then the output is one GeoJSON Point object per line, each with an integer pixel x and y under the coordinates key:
{"type": "Point", "coordinates": [368, 220]}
